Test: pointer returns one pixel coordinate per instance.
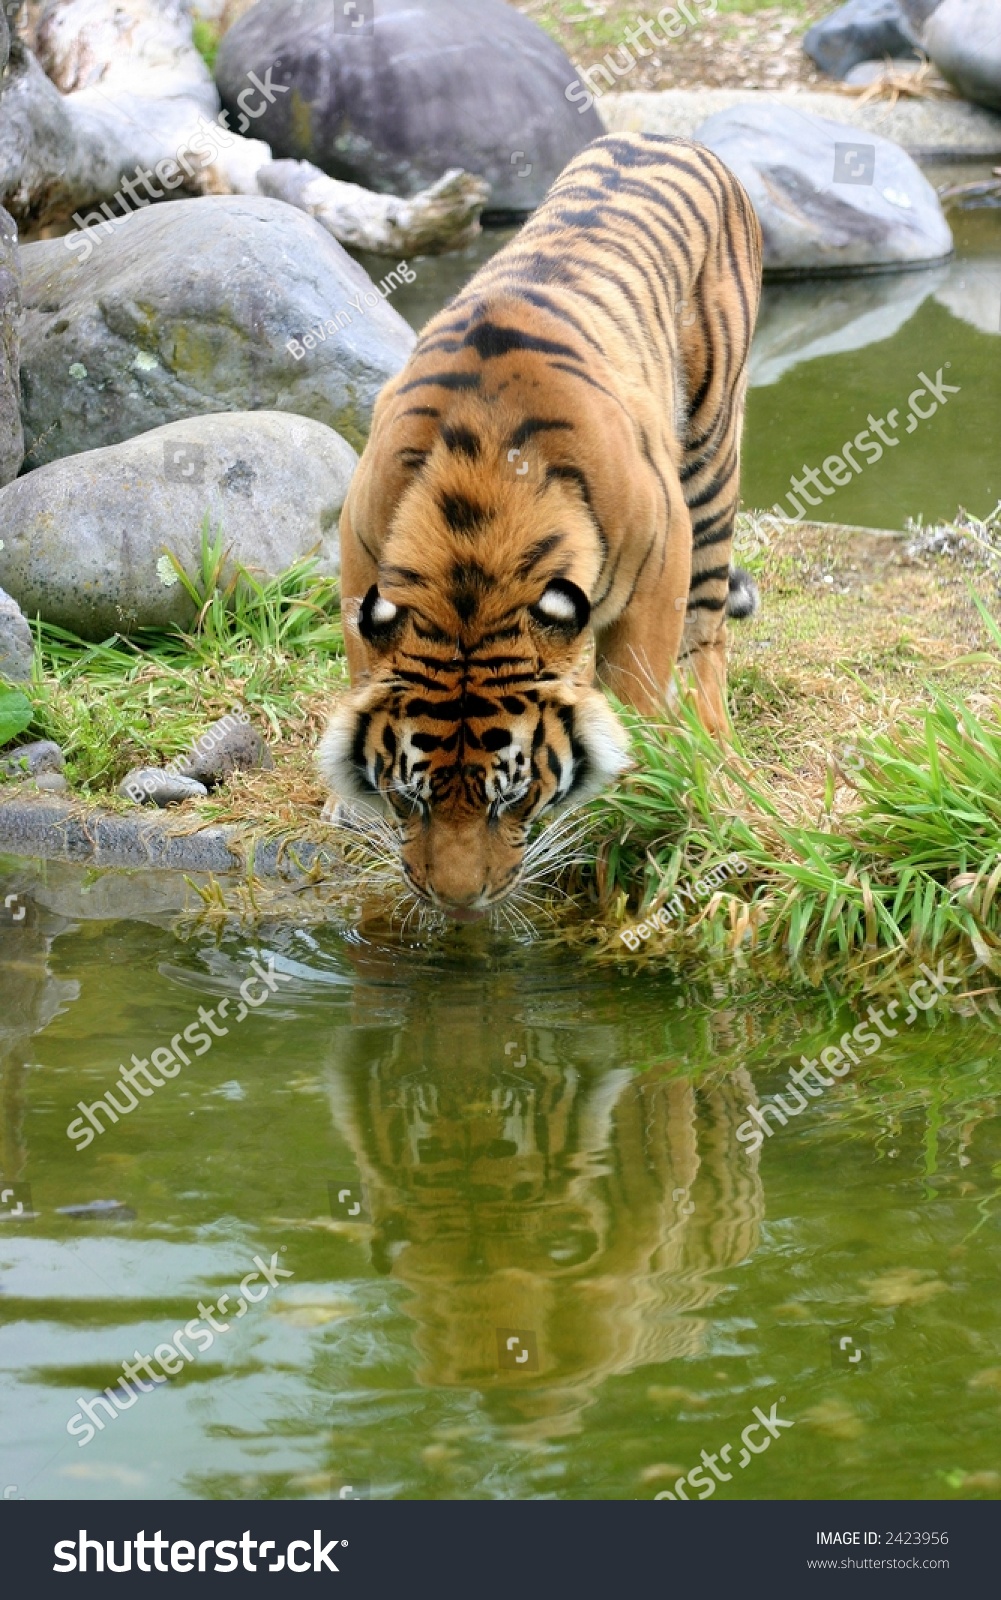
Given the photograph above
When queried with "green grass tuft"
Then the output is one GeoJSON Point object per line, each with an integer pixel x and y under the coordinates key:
{"type": "Point", "coordinates": [206, 37]}
{"type": "Point", "coordinates": [273, 646]}
{"type": "Point", "coordinates": [912, 864]}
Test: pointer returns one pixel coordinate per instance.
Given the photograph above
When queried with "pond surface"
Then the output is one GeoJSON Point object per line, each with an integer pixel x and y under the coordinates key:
{"type": "Point", "coordinates": [829, 353]}
{"type": "Point", "coordinates": [445, 1146]}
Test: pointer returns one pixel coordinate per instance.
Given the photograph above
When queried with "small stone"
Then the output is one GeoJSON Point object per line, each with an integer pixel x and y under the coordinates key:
{"type": "Point", "coordinates": [51, 783]}
{"type": "Point", "coordinates": [31, 760]}
{"type": "Point", "coordinates": [229, 745]}
{"type": "Point", "coordinates": [153, 786]}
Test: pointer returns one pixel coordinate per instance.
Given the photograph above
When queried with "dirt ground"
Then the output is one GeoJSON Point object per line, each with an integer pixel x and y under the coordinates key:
{"type": "Point", "coordinates": [855, 627]}
{"type": "Point", "coordinates": [745, 45]}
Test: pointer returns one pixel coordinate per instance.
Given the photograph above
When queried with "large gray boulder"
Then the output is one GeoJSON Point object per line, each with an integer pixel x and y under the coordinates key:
{"type": "Point", "coordinates": [17, 648]}
{"type": "Point", "coordinates": [963, 38]}
{"type": "Point", "coordinates": [11, 434]}
{"type": "Point", "coordinates": [86, 538]}
{"type": "Point", "coordinates": [195, 307]}
{"type": "Point", "coordinates": [862, 30]}
{"type": "Point", "coordinates": [829, 198]}
{"type": "Point", "coordinates": [391, 101]}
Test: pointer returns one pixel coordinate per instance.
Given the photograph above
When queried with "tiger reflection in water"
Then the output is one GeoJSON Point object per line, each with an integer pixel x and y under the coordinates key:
{"type": "Point", "coordinates": [540, 1189]}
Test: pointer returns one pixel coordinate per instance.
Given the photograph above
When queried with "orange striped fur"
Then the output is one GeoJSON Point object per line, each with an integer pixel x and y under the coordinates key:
{"type": "Point", "coordinates": [545, 505]}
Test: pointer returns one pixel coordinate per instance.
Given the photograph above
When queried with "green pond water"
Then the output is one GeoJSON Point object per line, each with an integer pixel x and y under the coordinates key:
{"type": "Point", "coordinates": [540, 1150]}
{"type": "Point", "coordinates": [828, 353]}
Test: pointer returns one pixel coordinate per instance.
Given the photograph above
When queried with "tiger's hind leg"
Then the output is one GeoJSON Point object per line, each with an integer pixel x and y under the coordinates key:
{"type": "Point", "coordinates": [715, 344]}
{"type": "Point", "coordinates": [711, 476]}
{"type": "Point", "coordinates": [702, 658]}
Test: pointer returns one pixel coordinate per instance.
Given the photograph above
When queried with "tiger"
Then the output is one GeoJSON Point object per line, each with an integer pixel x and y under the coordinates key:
{"type": "Point", "coordinates": [544, 511]}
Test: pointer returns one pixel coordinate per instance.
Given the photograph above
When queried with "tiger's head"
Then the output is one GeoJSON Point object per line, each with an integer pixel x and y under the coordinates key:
{"type": "Point", "coordinates": [467, 742]}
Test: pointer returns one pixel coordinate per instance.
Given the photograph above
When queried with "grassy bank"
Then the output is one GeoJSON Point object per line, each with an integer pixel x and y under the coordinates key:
{"type": "Point", "coordinates": [861, 786]}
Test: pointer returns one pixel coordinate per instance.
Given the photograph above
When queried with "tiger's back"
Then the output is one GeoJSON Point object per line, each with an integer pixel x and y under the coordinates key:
{"type": "Point", "coordinates": [549, 488]}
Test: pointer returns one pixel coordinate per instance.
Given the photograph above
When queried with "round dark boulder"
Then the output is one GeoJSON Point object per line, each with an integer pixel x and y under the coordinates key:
{"type": "Point", "coordinates": [391, 93]}
{"type": "Point", "coordinates": [862, 30]}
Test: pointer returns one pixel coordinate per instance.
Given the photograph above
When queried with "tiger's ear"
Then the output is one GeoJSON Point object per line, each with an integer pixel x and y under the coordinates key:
{"type": "Point", "coordinates": [563, 609]}
{"type": "Point", "coordinates": [379, 620]}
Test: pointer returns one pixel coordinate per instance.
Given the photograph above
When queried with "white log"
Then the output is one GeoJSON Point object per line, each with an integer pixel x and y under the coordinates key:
{"type": "Point", "coordinates": [62, 154]}
{"type": "Point", "coordinates": [444, 217]}
{"type": "Point", "coordinates": [139, 47]}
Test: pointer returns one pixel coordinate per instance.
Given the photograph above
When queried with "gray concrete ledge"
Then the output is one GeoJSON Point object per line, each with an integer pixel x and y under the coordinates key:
{"type": "Point", "coordinates": [929, 130]}
{"type": "Point", "coordinates": [61, 830]}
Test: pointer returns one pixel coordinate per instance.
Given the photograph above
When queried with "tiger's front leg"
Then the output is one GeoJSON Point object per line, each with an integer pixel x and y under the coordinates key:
{"type": "Point", "coordinates": [703, 662]}
{"type": "Point", "coordinates": [638, 653]}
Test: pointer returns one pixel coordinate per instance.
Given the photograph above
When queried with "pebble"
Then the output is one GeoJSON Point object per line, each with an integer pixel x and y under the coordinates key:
{"type": "Point", "coordinates": [227, 746]}
{"type": "Point", "coordinates": [153, 786]}
{"type": "Point", "coordinates": [31, 759]}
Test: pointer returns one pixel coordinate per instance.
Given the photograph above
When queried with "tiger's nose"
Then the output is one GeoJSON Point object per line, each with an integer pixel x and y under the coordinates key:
{"type": "Point", "coordinates": [462, 907]}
